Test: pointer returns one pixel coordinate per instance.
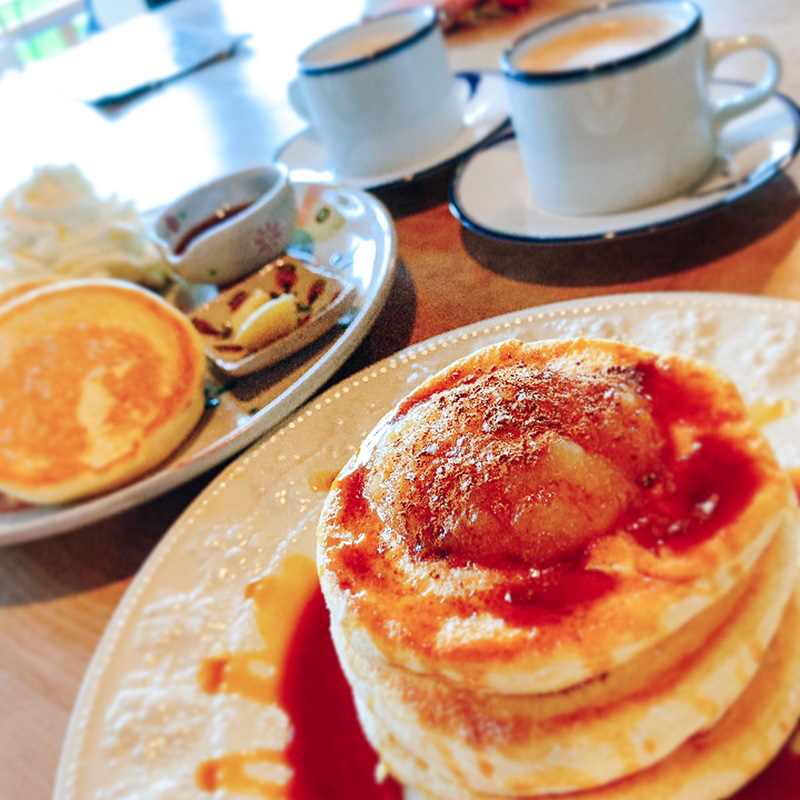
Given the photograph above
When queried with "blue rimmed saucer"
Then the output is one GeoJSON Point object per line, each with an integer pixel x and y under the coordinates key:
{"type": "Point", "coordinates": [484, 113]}
{"type": "Point", "coordinates": [489, 191]}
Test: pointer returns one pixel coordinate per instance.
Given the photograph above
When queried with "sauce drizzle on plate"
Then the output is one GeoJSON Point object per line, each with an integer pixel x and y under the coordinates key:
{"type": "Point", "coordinates": [327, 754]}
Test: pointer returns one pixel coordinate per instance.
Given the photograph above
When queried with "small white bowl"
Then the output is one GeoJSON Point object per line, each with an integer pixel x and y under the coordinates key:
{"type": "Point", "coordinates": [230, 227]}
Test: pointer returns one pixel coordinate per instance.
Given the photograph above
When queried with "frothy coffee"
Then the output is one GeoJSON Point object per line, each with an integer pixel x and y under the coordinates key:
{"type": "Point", "coordinates": [594, 43]}
{"type": "Point", "coordinates": [358, 48]}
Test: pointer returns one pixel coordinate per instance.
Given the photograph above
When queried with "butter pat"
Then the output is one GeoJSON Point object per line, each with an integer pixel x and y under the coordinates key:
{"type": "Point", "coordinates": [254, 301]}
{"type": "Point", "coordinates": [269, 321]}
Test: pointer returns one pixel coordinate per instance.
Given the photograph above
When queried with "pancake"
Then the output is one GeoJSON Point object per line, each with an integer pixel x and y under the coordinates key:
{"type": "Point", "coordinates": [552, 565]}
{"type": "Point", "coordinates": [667, 493]}
{"type": "Point", "coordinates": [99, 382]}
{"type": "Point", "coordinates": [594, 733]}
{"type": "Point", "coordinates": [9, 293]}
{"type": "Point", "coordinates": [718, 762]}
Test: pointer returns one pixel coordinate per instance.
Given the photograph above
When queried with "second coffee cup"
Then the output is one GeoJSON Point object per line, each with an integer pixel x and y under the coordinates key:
{"type": "Point", "coordinates": [380, 94]}
{"type": "Point", "coordinates": [611, 106]}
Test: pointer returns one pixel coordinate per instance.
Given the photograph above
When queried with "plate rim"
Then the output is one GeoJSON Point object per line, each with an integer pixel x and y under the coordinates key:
{"type": "Point", "coordinates": [424, 172]}
{"type": "Point", "coordinates": [736, 193]}
{"type": "Point", "coordinates": [172, 475]}
{"type": "Point", "coordinates": [75, 742]}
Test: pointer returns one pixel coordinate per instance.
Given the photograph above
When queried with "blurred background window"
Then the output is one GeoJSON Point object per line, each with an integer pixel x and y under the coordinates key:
{"type": "Point", "coordinates": [34, 29]}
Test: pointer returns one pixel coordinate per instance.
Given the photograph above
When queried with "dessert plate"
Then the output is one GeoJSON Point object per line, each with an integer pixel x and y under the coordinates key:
{"type": "Point", "coordinates": [489, 192]}
{"type": "Point", "coordinates": [142, 720]}
{"type": "Point", "coordinates": [484, 112]}
{"type": "Point", "coordinates": [345, 231]}
{"type": "Point", "coordinates": [320, 298]}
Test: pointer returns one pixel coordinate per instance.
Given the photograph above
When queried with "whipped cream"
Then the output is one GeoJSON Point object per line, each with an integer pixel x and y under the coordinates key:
{"type": "Point", "coordinates": [55, 226]}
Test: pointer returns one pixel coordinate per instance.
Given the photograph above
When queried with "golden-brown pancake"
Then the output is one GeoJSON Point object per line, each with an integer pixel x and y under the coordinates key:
{"type": "Point", "coordinates": [440, 539]}
{"type": "Point", "coordinates": [594, 733]}
{"type": "Point", "coordinates": [99, 382]}
{"type": "Point", "coordinates": [715, 763]}
{"type": "Point", "coordinates": [15, 290]}
{"type": "Point", "coordinates": [544, 545]}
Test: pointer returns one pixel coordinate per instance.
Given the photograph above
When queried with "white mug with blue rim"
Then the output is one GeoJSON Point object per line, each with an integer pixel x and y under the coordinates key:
{"type": "Point", "coordinates": [379, 94]}
{"type": "Point", "coordinates": [611, 106]}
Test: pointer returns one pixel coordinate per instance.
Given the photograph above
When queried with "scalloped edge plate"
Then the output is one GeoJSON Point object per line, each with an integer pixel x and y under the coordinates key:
{"type": "Point", "coordinates": [265, 505]}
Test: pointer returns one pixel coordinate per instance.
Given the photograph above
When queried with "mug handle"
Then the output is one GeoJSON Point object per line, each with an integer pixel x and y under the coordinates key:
{"type": "Point", "coordinates": [741, 102]}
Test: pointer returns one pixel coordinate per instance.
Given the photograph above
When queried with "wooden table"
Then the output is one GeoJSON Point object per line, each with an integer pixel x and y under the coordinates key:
{"type": "Point", "coordinates": [57, 595]}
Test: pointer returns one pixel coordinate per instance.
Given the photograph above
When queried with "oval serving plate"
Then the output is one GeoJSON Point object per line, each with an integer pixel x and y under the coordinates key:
{"type": "Point", "coordinates": [347, 232]}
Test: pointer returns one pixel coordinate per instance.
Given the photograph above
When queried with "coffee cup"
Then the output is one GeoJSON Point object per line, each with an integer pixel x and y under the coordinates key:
{"type": "Point", "coordinates": [380, 94]}
{"type": "Point", "coordinates": [612, 107]}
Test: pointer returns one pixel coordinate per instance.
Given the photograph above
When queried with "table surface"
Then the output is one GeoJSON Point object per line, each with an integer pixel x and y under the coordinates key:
{"type": "Point", "coordinates": [57, 595]}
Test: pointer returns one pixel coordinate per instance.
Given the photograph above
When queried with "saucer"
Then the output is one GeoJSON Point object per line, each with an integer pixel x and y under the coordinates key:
{"type": "Point", "coordinates": [489, 191]}
{"type": "Point", "coordinates": [484, 112]}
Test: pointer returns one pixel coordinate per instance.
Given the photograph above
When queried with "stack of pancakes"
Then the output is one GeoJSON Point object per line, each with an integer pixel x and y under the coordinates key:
{"type": "Point", "coordinates": [567, 568]}
{"type": "Point", "coordinates": [100, 381]}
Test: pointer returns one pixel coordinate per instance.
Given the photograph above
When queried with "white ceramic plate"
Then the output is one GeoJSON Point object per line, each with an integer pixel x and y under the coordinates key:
{"type": "Point", "coordinates": [485, 112]}
{"type": "Point", "coordinates": [489, 192]}
{"type": "Point", "coordinates": [141, 724]}
{"type": "Point", "coordinates": [347, 231]}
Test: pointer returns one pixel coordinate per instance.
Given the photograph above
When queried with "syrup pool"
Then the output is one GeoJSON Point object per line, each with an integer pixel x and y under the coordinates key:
{"type": "Point", "coordinates": [327, 755]}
